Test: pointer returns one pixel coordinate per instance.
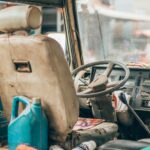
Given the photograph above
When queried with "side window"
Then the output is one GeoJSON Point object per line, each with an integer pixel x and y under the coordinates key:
{"type": "Point", "coordinates": [53, 25]}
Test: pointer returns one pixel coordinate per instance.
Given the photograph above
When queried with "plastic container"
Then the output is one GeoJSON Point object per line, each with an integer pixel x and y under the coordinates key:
{"type": "Point", "coordinates": [30, 127]}
{"type": "Point", "coordinates": [146, 148]}
{"type": "Point", "coordinates": [91, 145]}
{"type": "Point", "coordinates": [3, 125]}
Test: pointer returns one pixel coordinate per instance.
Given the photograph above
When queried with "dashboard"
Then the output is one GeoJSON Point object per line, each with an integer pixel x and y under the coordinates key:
{"type": "Point", "coordinates": [137, 86]}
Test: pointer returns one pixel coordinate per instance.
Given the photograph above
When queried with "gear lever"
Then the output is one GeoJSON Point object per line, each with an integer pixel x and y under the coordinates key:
{"type": "Point", "coordinates": [122, 97]}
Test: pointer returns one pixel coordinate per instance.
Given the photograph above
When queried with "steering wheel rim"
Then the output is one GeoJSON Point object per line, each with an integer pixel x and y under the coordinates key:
{"type": "Point", "coordinates": [96, 94]}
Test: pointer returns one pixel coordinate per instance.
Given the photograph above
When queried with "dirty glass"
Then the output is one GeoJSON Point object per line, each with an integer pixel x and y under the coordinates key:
{"type": "Point", "coordinates": [114, 30]}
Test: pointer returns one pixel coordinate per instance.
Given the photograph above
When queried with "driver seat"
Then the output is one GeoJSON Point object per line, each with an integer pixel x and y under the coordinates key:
{"type": "Point", "coordinates": [35, 66]}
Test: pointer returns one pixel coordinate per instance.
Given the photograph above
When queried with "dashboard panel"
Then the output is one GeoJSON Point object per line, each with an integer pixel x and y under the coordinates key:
{"type": "Point", "coordinates": [138, 84]}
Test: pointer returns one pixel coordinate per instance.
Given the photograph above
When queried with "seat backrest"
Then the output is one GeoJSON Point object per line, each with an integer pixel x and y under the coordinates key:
{"type": "Point", "coordinates": [35, 66]}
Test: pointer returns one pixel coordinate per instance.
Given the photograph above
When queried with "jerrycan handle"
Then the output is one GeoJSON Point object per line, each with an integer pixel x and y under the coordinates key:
{"type": "Point", "coordinates": [15, 105]}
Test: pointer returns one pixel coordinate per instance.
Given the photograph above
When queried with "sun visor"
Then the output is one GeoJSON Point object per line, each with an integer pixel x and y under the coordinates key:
{"type": "Point", "coordinates": [19, 18]}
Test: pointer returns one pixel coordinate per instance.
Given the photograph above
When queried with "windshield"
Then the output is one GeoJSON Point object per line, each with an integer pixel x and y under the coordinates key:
{"type": "Point", "coordinates": [114, 30]}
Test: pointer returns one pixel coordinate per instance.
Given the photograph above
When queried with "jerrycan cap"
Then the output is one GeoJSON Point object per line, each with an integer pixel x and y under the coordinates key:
{"type": "Point", "coordinates": [36, 100]}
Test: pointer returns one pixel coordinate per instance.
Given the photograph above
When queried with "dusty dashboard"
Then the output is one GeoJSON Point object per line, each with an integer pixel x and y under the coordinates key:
{"type": "Point", "coordinates": [138, 84]}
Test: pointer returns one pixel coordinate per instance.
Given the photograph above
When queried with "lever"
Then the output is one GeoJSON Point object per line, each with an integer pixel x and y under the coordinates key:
{"type": "Point", "coordinates": [122, 97]}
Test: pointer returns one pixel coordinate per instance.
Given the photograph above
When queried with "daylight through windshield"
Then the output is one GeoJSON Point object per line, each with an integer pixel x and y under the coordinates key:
{"type": "Point", "coordinates": [114, 30]}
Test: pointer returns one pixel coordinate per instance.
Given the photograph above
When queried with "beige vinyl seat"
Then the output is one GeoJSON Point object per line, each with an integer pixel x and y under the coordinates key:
{"type": "Point", "coordinates": [35, 66]}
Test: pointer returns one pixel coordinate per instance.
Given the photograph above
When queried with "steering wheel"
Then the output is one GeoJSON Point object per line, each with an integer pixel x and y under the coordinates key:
{"type": "Point", "coordinates": [100, 85]}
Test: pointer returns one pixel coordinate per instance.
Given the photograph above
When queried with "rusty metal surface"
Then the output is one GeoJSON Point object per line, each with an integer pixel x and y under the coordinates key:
{"type": "Point", "coordinates": [71, 28]}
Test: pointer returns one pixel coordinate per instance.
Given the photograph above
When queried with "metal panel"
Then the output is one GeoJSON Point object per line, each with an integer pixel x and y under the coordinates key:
{"type": "Point", "coordinates": [52, 3]}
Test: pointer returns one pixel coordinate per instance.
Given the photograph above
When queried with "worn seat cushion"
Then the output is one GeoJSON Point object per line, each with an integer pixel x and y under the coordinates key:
{"type": "Point", "coordinates": [100, 133]}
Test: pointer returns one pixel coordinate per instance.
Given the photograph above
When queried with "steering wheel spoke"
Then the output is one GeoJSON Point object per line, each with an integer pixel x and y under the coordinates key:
{"type": "Point", "coordinates": [112, 84]}
{"type": "Point", "coordinates": [87, 91]}
{"type": "Point", "coordinates": [109, 69]}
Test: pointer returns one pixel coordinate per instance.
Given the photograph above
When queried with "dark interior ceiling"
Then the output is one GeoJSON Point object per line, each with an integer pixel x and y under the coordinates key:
{"type": "Point", "coordinates": [51, 3]}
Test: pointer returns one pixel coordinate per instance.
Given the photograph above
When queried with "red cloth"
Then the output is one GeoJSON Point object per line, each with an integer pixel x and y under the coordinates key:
{"type": "Point", "coordinates": [86, 123]}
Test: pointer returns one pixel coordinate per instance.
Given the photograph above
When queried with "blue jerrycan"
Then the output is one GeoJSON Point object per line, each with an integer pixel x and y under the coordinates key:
{"type": "Point", "coordinates": [30, 127]}
{"type": "Point", "coordinates": [3, 125]}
